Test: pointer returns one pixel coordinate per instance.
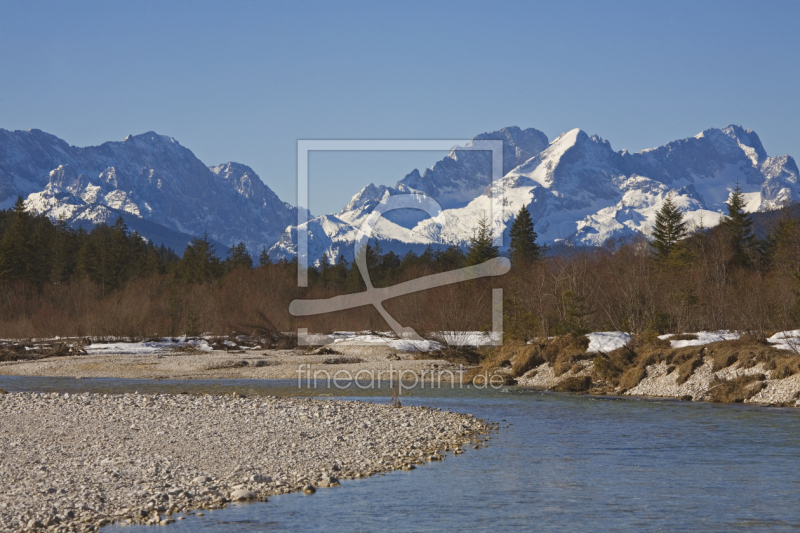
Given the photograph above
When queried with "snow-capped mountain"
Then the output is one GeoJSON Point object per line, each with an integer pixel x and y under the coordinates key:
{"type": "Point", "coordinates": [577, 189]}
{"type": "Point", "coordinates": [146, 177]}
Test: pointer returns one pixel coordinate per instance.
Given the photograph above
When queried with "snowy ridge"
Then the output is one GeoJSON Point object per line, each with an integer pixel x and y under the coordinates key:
{"type": "Point", "coordinates": [577, 189]}
{"type": "Point", "coordinates": [149, 177]}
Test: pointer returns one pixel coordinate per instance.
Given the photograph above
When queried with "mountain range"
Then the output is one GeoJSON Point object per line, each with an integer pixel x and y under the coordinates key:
{"type": "Point", "coordinates": [577, 188]}
{"type": "Point", "coordinates": [146, 177]}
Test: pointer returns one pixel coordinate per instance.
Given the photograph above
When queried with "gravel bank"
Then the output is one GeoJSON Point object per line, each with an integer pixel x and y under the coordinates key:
{"type": "Point", "coordinates": [78, 462]}
{"type": "Point", "coordinates": [252, 364]}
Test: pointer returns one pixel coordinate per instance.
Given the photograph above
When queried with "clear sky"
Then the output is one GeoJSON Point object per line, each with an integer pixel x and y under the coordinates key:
{"type": "Point", "coordinates": [243, 80]}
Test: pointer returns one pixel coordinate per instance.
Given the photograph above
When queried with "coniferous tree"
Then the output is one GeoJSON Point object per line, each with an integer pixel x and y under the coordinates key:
{"type": "Point", "coordinates": [669, 229]}
{"type": "Point", "coordinates": [199, 263]}
{"type": "Point", "coordinates": [481, 244]}
{"type": "Point", "coordinates": [16, 248]}
{"type": "Point", "coordinates": [43, 239]}
{"type": "Point", "coordinates": [264, 259]}
{"type": "Point", "coordinates": [64, 250]}
{"type": "Point", "coordinates": [324, 267]}
{"type": "Point", "coordinates": [739, 229]}
{"type": "Point", "coordinates": [523, 247]}
{"type": "Point", "coordinates": [123, 257]}
{"type": "Point", "coordinates": [238, 255]}
{"type": "Point", "coordinates": [340, 272]}
{"type": "Point", "coordinates": [450, 258]}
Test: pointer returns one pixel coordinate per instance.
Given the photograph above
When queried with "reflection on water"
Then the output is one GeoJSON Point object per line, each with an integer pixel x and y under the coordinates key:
{"type": "Point", "coordinates": [559, 463]}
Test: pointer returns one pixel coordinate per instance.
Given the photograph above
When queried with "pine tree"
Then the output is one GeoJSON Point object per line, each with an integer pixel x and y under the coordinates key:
{"type": "Point", "coordinates": [481, 245]}
{"type": "Point", "coordinates": [199, 262]}
{"type": "Point", "coordinates": [238, 256]}
{"type": "Point", "coordinates": [122, 258]}
{"type": "Point", "coordinates": [523, 247]}
{"type": "Point", "coordinates": [739, 229]}
{"type": "Point", "coordinates": [451, 258]}
{"type": "Point", "coordinates": [670, 228]}
{"type": "Point", "coordinates": [340, 272]}
{"type": "Point", "coordinates": [264, 259]}
{"type": "Point", "coordinates": [16, 248]}
{"type": "Point", "coordinates": [43, 240]}
{"type": "Point", "coordinates": [64, 250]}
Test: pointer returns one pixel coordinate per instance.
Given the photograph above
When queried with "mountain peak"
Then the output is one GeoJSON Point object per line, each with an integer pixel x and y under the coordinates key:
{"type": "Point", "coordinates": [518, 145]}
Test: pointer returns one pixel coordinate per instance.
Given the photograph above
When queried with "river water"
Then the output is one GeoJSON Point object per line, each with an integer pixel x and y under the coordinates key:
{"type": "Point", "coordinates": [559, 463]}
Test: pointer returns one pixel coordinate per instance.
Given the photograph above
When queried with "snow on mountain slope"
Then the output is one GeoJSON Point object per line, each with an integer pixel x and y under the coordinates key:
{"type": "Point", "coordinates": [464, 174]}
{"type": "Point", "coordinates": [149, 176]}
{"type": "Point", "coordinates": [577, 189]}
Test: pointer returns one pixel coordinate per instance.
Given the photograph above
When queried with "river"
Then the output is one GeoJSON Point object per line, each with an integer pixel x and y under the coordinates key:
{"type": "Point", "coordinates": [558, 463]}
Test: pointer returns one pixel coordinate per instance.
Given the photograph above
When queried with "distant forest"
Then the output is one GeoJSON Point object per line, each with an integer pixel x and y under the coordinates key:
{"type": "Point", "coordinates": [57, 281]}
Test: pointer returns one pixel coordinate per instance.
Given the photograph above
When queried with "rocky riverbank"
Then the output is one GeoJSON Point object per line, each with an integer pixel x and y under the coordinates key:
{"type": "Point", "coordinates": [78, 462]}
{"type": "Point", "coordinates": [735, 383]}
{"type": "Point", "coordinates": [725, 367]}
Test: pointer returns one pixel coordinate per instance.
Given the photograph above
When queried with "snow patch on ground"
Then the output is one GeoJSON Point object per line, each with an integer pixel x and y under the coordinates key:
{"type": "Point", "coordinates": [146, 347]}
{"type": "Point", "coordinates": [607, 341]}
{"type": "Point", "coordinates": [703, 337]}
{"type": "Point", "coordinates": [786, 340]}
{"type": "Point", "coordinates": [401, 345]}
{"type": "Point", "coordinates": [456, 338]}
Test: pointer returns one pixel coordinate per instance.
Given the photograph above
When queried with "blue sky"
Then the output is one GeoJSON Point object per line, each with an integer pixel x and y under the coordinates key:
{"type": "Point", "coordinates": [243, 80]}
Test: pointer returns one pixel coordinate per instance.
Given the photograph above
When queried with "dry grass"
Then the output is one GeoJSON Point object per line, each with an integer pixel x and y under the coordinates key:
{"type": "Point", "coordinates": [515, 357]}
{"type": "Point", "coordinates": [782, 368]}
{"type": "Point", "coordinates": [632, 377]}
{"type": "Point", "coordinates": [566, 345]}
{"type": "Point", "coordinates": [687, 368]}
{"type": "Point", "coordinates": [724, 359]}
{"type": "Point", "coordinates": [521, 357]}
{"type": "Point", "coordinates": [458, 355]}
{"type": "Point", "coordinates": [738, 390]}
{"type": "Point", "coordinates": [563, 352]}
{"type": "Point", "coordinates": [648, 340]}
{"type": "Point", "coordinates": [574, 384]}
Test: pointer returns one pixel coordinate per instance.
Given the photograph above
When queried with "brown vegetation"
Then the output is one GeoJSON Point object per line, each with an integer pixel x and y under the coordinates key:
{"type": "Point", "coordinates": [738, 390]}
{"type": "Point", "coordinates": [574, 384]}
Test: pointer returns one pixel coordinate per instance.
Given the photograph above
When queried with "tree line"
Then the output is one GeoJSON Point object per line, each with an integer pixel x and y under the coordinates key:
{"type": "Point", "coordinates": [110, 281]}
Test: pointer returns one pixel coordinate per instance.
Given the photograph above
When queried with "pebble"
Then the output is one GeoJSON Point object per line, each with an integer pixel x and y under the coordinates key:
{"type": "Point", "coordinates": [77, 462]}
